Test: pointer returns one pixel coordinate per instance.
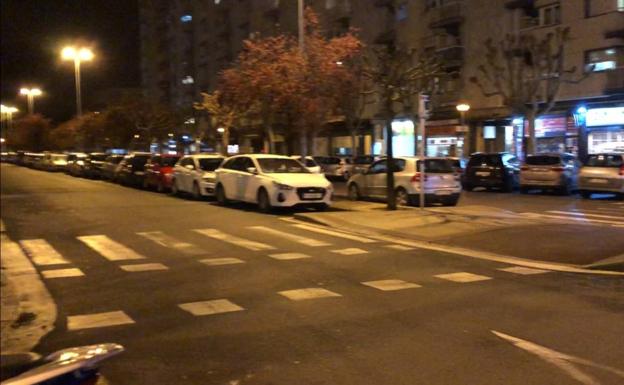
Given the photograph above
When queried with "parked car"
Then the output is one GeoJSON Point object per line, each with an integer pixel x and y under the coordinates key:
{"type": "Point", "coordinates": [110, 166]}
{"type": "Point", "coordinates": [131, 170]}
{"type": "Point", "coordinates": [54, 162]}
{"type": "Point", "coordinates": [93, 164]}
{"type": "Point", "coordinates": [550, 171]}
{"type": "Point", "coordinates": [159, 172]}
{"type": "Point", "coordinates": [602, 173]}
{"type": "Point", "coordinates": [309, 163]}
{"type": "Point", "coordinates": [361, 163]}
{"type": "Point", "coordinates": [271, 181]}
{"type": "Point", "coordinates": [195, 174]}
{"type": "Point", "coordinates": [33, 159]}
{"type": "Point", "coordinates": [441, 183]}
{"type": "Point", "coordinates": [335, 166]}
{"type": "Point", "coordinates": [75, 163]}
{"type": "Point", "coordinates": [492, 170]}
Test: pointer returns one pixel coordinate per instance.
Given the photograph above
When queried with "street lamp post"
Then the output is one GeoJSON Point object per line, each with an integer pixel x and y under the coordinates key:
{"type": "Point", "coordinates": [78, 55]}
{"type": "Point", "coordinates": [463, 108]}
{"type": "Point", "coordinates": [30, 94]}
{"type": "Point", "coordinates": [6, 115]}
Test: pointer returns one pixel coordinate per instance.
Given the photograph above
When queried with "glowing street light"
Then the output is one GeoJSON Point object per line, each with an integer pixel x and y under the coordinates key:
{"type": "Point", "coordinates": [463, 108]}
{"type": "Point", "coordinates": [30, 94]}
{"type": "Point", "coordinates": [78, 55]}
{"type": "Point", "coordinates": [6, 113]}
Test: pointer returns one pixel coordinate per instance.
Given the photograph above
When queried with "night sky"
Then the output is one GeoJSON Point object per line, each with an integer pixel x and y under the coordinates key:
{"type": "Point", "coordinates": [33, 33]}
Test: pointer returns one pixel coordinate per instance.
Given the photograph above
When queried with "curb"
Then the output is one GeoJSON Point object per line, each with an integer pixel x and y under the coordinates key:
{"type": "Point", "coordinates": [31, 312]}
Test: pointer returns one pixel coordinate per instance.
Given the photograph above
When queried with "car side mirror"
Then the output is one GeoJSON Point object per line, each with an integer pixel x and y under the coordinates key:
{"type": "Point", "coordinates": [252, 170]}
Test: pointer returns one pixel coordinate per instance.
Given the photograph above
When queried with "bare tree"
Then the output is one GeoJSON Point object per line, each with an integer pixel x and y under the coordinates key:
{"type": "Point", "coordinates": [527, 73]}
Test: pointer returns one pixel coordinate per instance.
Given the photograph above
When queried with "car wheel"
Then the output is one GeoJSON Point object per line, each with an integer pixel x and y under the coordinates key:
{"type": "Point", "coordinates": [585, 194]}
{"type": "Point", "coordinates": [264, 204]}
{"type": "Point", "coordinates": [196, 192]}
{"type": "Point", "coordinates": [321, 207]}
{"type": "Point", "coordinates": [346, 176]}
{"type": "Point", "coordinates": [451, 202]}
{"type": "Point", "coordinates": [524, 190]}
{"type": "Point", "coordinates": [619, 196]}
{"type": "Point", "coordinates": [221, 197]}
{"type": "Point", "coordinates": [174, 188]}
{"type": "Point", "coordinates": [401, 197]}
{"type": "Point", "coordinates": [146, 185]}
{"type": "Point", "coordinates": [354, 192]}
{"type": "Point", "coordinates": [565, 189]}
{"type": "Point", "coordinates": [468, 187]}
{"type": "Point", "coordinates": [508, 186]}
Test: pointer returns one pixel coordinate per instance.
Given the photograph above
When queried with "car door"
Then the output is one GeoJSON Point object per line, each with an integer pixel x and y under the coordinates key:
{"type": "Point", "coordinates": [188, 171]}
{"type": "Point", "coordinates": [376, 179]}
{"type": "Point", "coordinates": [245, 180]}
{"type": "Point", "coordinates": [227, 177]}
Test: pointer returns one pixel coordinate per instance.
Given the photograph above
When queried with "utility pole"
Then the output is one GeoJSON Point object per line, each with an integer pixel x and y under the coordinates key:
{"type": "Point", "coordinates": [301, 25]}
{"type": "Point", "coordinates": [422, 117]}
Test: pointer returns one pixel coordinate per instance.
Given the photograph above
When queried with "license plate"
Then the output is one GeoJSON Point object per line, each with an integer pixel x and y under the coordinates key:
{"type": "Point", "coordinates": [442, 192]}
{"type": "Point", "coordinates": [483, 173]}
{"type": "Point", "coordinates": [599, 181]}
{"type": "Point", "coordinates": [312, 195]}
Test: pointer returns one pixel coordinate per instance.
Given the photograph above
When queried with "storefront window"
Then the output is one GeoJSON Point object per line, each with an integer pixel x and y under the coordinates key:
{"type": "Point", "coordinates": [606, 141]}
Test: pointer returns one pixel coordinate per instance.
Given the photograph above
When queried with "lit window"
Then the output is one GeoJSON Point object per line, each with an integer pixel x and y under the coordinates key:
{"type": "Point", "coordinates": [604, 59]}
{"type": "Point", "coordinates": [188, 80]}
{"type": "Point", "coordinates": [186, 18]}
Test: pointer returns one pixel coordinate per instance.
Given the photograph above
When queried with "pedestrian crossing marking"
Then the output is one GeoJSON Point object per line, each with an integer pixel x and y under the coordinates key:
{"type": "Point", "coordinates": [221, 261]}
{"type": "Point", "coordinates": [109, 249]}
{"type": "Point", "coordinates": [463, 277]}
{"type": "Point", "coordinates": [584, 214]}
{"type": "Point", "coordinates": [168, 241]}
{"type": "Point", "coordinates": [251, 245]}
{"type": "Point", "coordinates": [62, 273]}
{"type": "Point", "coordinates": [571, 218]}
{"type": "Point", "coordinates": [296, 238]}
{"type": "Point", "coordinates": [350, 251]}
{"type": "Point", "coordinates": [335, 233]}
{"type": "Point", "coordinates": [216, 306]}
{"type": "Point", "coordinates": [98, 320]}
{"type": "Point", "coordinates": [308, 293]}
{"type": "Point", "coordinates": [399, 247]}
{"type": "Point", "coordinates": [144, 267]}
{"type": "Point", "coordinates": [391, 284]}
{"type": "Point", "coordinates": [289, 256]}
{"type": "Point", "coordinates": [42, 253]}
{"type": "Point", "coordinates": [523, 270]}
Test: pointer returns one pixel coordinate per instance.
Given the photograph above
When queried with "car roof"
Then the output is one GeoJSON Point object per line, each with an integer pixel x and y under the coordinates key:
{"type": "Point", "coordinates": [204, 156]}
{"type": "Point", "coordinates": [263, 156]}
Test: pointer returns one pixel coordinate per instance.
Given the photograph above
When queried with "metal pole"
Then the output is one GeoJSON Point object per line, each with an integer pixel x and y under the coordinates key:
{"type": "Point", "coordinates": [421, 150]}
{"type": "Point", "coordinates": [31, 103]}
{"type": "Point", "coordinates": [300, 23]}
{"type": "Point", "coordinates": [78, 96]}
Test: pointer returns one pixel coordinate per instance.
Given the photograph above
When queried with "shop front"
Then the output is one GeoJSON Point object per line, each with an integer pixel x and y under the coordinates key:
{"type": "Point", "coordinates": [605, 130]}
{"type": "Point", "coordinates": [445, 138]}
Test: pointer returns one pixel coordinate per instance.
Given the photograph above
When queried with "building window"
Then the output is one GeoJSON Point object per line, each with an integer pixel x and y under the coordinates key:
{"type": "Point", "coordinates": [330, 4]}
{"type": "Point", "coordinates": [550, 15]}
{"type": "Point", "coordinates": [604, 59]}
{"type": "Point", "coordinates": [186, 18]}
{"type": "Point", "coordinates": [600, 7]}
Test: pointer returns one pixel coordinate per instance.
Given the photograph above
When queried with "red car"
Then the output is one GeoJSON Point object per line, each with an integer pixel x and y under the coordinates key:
{"type": "Point", "coordinates": [159, 172]}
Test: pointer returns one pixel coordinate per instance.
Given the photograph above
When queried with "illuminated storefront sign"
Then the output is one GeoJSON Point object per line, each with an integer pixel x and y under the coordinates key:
{"type": "Point", "coordinates": [604, 117]}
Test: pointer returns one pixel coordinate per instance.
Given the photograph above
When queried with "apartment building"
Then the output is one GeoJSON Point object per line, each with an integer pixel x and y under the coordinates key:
{"type": "Point", "coordinates": [185, 44]}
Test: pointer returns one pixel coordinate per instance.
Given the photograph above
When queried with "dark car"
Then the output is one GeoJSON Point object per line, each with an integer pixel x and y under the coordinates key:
{"type": "Point", "coordinates": [93, 164]}
{"type": "Point", "coordinates": [131, 171]}
{"type": "Point", "coordinates": [492, 170]}
{"type": "Point", "coordinates": [159, 172]}
{"type": "Point", "coordinates": [109, 167]}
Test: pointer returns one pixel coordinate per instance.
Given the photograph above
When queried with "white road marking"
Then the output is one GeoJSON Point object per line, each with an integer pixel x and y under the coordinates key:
{"type": "Point", "coordinates": [289, 256]}
{"type": "Point", "coordinates": [584, 214]}
{"type": "Point", "coordinates": [251, 245]}
{"type": "Point", "coordinates": [308, 293]}
{"type": "Point", "coordinates": [399, 247]}
{"type": "Point", "coordinates": [335, 233]}
{"type": "Point", "coordinates": [296, 238]}
{"type": "Point", "coordinates": [523, 270]}
{"type": "Point", "coordinates": [569, 218]}
{"type": "Point", "coordinates": [42, 253]}
{"type": "Point", "coordinates": [109, 249]}
{"type": "Point", "coordinates": [216, 306]}
{"type": "Point", "coordinates": [463, 277]}
{"type": "Point", "coordinates": [98, 320]}
{"type": "Point", "coordinates": [143, 267]}
{"type": "Point", "coordinates": [563, 361]}
{"type": "Point", "coordinates": [221, 261]}
{"type": "Point", "coordinates": [391, 284]}
{"type": "Point", "coordinates": [168, 241]}
{"type": "Point", "coordinates": [62, 273]}
{"type": "Point", "coordinates": [350, 251]}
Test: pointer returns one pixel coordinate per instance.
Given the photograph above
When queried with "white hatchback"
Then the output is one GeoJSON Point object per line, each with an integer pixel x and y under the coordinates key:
{"type": "Point", "coordinates": [271, 181]}
{"type": "Point", "coordinates": [195, 174]}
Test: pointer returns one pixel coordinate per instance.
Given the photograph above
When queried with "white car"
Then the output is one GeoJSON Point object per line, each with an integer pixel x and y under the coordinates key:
{"type": "Point", "coordinates": [309, 163]}
{"type": "Point", "coordinates": [195, 174]}
{"type": "Point", "coordinates": [271, 181]}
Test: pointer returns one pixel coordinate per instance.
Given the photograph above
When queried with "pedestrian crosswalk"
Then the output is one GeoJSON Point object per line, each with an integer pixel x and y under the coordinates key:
{"type": "Point", "coordinates": [42, 253]}
{"type": "Point", "coordinates": [109, 249]}
{"type": "Point", "coordinates": [612, 216]}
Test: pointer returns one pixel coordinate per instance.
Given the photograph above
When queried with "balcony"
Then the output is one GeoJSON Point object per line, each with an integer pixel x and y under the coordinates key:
{"type": "Point", "coordinates": [452, 57]}
{"type": "Point", "coordinates": [615, 81]}
{"type": "Point", "coordinates": [441, 41]}
{"type": "Point", "coordinates": [446, 15]}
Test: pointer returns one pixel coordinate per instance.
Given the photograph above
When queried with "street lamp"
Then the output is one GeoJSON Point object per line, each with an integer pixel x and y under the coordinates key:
{"type": "Point", "coordinates": [78, 55]}
{"type": "Point", "coordinates": [8, 112]}
{"type": "Point", "coordinates": [30, 94]}
{"type": "Point", "coordinates": [463, 108]}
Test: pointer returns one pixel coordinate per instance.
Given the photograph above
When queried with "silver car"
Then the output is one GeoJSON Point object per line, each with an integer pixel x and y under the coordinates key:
{"type": "Point", "coordinates": [550, 171]}
{"type": "Point", "coordinates": [603, 173]}
{"type": "Point", "coordinates": [335, 166]}
{"type": "Point", "coordinates": [442, 184]}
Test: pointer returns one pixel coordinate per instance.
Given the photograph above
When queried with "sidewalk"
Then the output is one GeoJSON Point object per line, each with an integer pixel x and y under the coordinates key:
{"type": "Point", "coordinates": [482, 228]}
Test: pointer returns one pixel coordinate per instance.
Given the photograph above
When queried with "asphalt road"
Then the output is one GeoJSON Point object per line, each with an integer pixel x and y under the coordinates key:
{"type": "Point", "coordinates": [503, 328]}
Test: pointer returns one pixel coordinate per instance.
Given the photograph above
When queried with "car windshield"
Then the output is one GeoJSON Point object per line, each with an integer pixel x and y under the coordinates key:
{"type": "Point", "coordinates": [170, 161]}
{"type": "Point", "coordinates": [604, 160]}
{"type": "Point", "coordinates": [281, 166]}
{"type": "Point", "coordinates": [542, 160]}
{"type": "Point", "coordinates": [308, 162]}
{"type": "Point", "coordinates": [437, 166]}
{"type": "Point", "coordinates": [485, 159]}
{"type": "Point", "coordinates": [209, 164]}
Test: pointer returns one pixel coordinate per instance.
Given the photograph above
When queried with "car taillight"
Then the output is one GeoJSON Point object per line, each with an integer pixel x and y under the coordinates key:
{"type": "Point", "coordinates": [557, 169]}
{"type": "Point", "coordinates": [525, 168]}
{"type": "Point", "coordinates": [416, 177]}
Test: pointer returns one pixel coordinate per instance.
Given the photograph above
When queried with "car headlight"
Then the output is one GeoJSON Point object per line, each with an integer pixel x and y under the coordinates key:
{"type": "Point", "coordinates": [281, 186]}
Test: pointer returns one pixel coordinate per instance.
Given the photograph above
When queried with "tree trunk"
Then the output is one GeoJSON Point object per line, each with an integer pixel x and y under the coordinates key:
{"type": "Point", "coordinates": [311, 137]}
{"type": "Point", "coordinates": [532, 141]}
{"type": "Point", "coordinates": [391, 201]}
{"type": "Point", "coordinates": [225, 141]}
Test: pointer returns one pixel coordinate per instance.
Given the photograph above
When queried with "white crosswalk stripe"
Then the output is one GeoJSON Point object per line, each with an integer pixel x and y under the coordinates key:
{"type": "Point", "coordinates": [335, 233]}
{"type": "Point", "coordinates": [42, 253]}
{"type": "Point", "coordinates": [463, 277]}
{"type": "Point", "coordinates": [215, 306]}
{"type": "Point", "coordinates": [575, 218]}
{"type": "Point", "coordinates": [143, 267]}
{"type": "Point", "coordinates": [523, 270]}
{"type": "Point", "coordinates": [168, 241]}
{"type": "Point", "coordinates": [62, 273]}
{"type": "Point", "coordinates": [251, 245]}
{"type": "Point", "coordinates": [98, 320]}
{"type": "Point", "coordinates": [585, 214]}
{"type": "Point", "coordinates": [108, 248]}
{"type": "Point", "coordinates": [292, 237]}
{"type": "Point", "coordinates": [350, 251]}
